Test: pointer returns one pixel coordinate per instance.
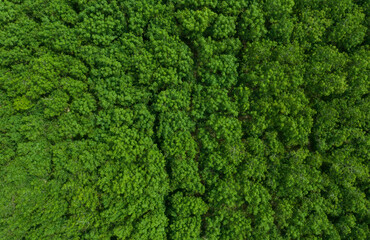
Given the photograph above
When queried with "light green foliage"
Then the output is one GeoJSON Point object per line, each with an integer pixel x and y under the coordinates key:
{"type": "Point", "coordinates": [195, 22]}
{"type": "Point", "coordinates": [184, 119]}
{"type": "Point", "coordinates": [224, 27]}
{"type": "Point", "coordinates": [186, 212]}
{"type": "Point", "coordinates": [326, 73]}
{"type": "Point", "coordinates": [252, 23]}
{"type": "Point", "coordinates": [22, 103]}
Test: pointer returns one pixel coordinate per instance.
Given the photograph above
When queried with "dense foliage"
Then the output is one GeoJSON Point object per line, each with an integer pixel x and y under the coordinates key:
{"type": "Point", "coordinates": [184, 119]}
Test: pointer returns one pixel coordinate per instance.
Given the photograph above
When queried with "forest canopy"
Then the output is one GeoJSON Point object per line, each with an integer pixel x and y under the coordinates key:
{"type": "Point", "coordinates": [184, 119]}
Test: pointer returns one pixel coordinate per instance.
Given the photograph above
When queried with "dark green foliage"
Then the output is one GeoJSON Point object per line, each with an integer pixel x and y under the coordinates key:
{"type": "Point", "coordinates": [184, 119]}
